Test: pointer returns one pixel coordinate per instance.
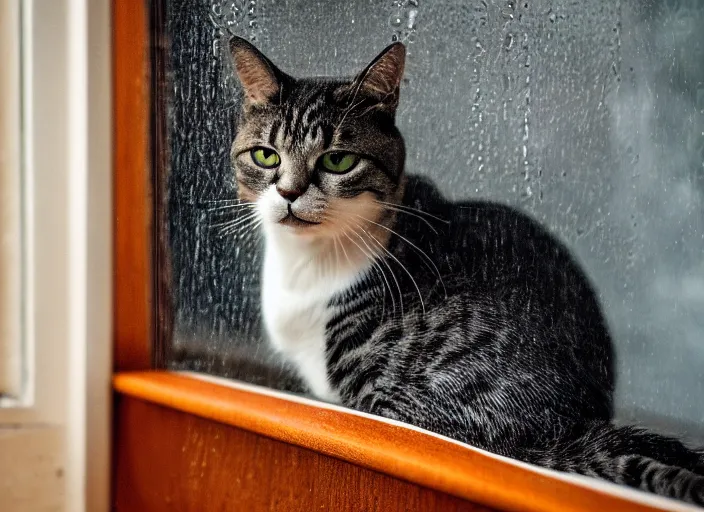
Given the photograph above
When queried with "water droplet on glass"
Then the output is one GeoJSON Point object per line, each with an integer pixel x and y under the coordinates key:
{"type": "Point", "coordinates": [412, 18]}
{"type": "Point", "coordinates": [508, 41]}
{"type": "Point", "coordinates": [395, 20]}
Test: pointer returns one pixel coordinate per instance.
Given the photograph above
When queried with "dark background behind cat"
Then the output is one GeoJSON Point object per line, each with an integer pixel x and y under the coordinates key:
{"type": "Point", "coordinates": [606, 101]}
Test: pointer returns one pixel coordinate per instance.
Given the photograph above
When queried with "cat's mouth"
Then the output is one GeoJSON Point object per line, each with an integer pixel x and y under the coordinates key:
{"type": "Point", "coordinates": [294, 221]}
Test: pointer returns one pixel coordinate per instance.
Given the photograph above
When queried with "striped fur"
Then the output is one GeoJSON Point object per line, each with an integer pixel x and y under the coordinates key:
{"type": "Point", "coordinates": [467, 319]}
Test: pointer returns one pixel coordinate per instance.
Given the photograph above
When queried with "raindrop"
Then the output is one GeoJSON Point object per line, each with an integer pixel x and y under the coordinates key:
{"type": "Point", "coordinates": [395, 20]}
{"type": "Point", "coordinates": [508, 41]}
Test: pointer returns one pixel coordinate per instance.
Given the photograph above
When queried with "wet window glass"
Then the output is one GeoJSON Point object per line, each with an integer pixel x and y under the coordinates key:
{"type": "Point", "coordinates": [587, 116]}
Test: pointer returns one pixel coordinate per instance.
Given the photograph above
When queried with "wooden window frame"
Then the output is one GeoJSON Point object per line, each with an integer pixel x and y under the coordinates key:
{"type": "Point", "coordinates": [351, 441]}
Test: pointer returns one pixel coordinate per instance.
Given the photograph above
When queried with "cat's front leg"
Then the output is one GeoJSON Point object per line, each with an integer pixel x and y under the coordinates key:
{"type": "Point", "coordinates": [311, 365]}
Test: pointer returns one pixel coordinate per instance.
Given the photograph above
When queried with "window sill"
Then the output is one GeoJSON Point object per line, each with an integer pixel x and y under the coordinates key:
{"type": "Point", "coordinates": [381, 445]}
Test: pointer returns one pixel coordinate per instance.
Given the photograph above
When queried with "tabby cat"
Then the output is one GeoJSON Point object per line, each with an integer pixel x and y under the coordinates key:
{"type": "Point", "coordinates": [469, 319]}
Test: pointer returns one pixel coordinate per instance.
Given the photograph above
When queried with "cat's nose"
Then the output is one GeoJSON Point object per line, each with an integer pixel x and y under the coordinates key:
{"type": "Point", "coordinates": [289, 194]}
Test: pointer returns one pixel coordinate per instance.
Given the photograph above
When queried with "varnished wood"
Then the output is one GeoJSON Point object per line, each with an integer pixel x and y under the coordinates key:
{"type": "Point", "coordinates": [132, 226]}
{"type": "Point", "coordinates": [170, 460]}
{"type": "Point", "coordinates": [395, 450]}
{"type": "Point", "coordinates": [163, 303]}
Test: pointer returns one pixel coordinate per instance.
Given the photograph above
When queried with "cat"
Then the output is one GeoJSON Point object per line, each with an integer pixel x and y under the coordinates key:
{"type": "Point", "coordinates": [466, 319]}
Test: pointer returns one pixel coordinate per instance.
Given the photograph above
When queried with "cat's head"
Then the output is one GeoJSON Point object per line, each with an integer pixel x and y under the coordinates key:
{"type": "Point", "coordinates": [318, 156]}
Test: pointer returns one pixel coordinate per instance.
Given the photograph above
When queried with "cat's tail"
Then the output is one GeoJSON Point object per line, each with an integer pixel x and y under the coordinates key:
{"type": "Point", "coordinates": [629, 456]}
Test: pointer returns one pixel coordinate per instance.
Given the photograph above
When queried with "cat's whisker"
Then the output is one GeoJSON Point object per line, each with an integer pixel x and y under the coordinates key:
{"type": "Point", "coordinates": [333, 263]}
{"type": "Point", "coordinates": [400, 293]}
{"type": "Point", "coordinates": [236, 231]}
{"type": "Point", "coordinates": [229, 207]}
{"type": "Point", "coordinates": [337, 254]}
{"type": "Point", "coordinates": [346, 224]}
{"type": "Point", "coordinates": [252, 225]}
{"type": "Point", "coordinates": [230, 222]}
{"type": "Point", "coordinates": [221, 201]}
{"type": "Point", "coordinates": [433, 266]}
{"type": "Point", "coordinates": [242, 231]}
{"type": "Point", "coordinates": [371, 257]}
{"type": "Point", "coordinates": [379, 268]}
{"type": "Point", "coordinates": [393, 275]}
{"type": "Point", "coordinates": [399, 210]}
{"type": "Point", "coordinates": [420, 296]}
{"type": "Point", "coordinates": [255, 226]}
{"type": "Point", "coordinates": [405, 207]}
{"type": "Point", "coordinates": [248, 230]}
{"type": "Point", "coordinates": [344, 251]}
{"type": "Point", "coordinates": [228, 228]}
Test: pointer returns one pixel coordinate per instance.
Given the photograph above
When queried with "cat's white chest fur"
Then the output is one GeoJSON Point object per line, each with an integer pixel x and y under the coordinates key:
{"type": "Point", "coordinates": [298, 282]}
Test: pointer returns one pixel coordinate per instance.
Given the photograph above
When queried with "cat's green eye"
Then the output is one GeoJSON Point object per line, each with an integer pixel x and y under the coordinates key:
{"type": "Point", "coordinates": [265, 157]}
{"type": "Point", "coordinates": [339, 161]}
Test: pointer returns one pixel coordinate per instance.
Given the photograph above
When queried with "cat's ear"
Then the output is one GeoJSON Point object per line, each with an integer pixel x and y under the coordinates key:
{"type": "Point", "coordinates": [260, 78]}
{"type": "Point", "coordinates": [381, 79]}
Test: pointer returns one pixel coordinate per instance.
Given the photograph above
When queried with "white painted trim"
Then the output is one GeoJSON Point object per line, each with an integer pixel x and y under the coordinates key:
{"type": "Point", "coordinates": [78, 251]}
{"type": "Point", "coordinates": [44, 142]}
{"type": "Point", "coordinates": [603, 486]}
{"type": "Point", "coordinates": [90, 256]}
{"type": "Point", "coordinates": [10, 204]}
{"type": "Point", "coordinates": [67, 142]}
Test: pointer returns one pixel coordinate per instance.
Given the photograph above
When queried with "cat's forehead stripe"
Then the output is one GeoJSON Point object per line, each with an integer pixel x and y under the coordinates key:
{"type": "Point", "coordinates": [274, 132]}
{"type": "Point", "coordinates": [305, 109]}
{"type": "Point", "coordinates": [302, 122]}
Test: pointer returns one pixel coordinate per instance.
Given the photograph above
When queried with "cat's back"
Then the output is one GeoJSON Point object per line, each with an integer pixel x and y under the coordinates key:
{"type": "Point", "coordinates": [498, 261]}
